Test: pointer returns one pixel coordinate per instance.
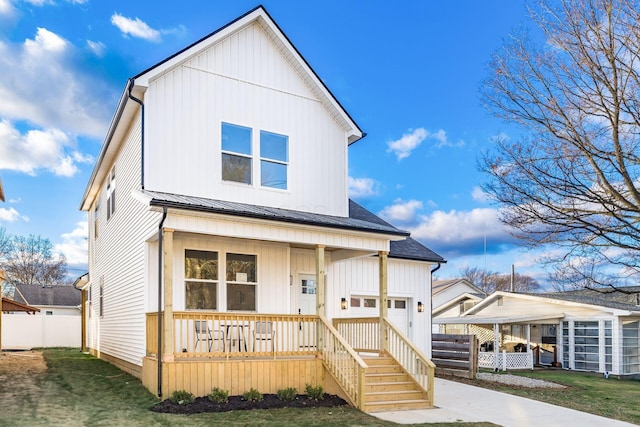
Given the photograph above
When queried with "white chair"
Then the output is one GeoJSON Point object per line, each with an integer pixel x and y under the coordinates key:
{"type": "Point", "coordinates": [204, 333]}
{"type": "Point", "coordinates": [263, 332]}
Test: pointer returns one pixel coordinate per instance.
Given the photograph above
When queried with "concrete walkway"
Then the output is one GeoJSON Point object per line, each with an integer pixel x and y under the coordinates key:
{"type": "Point", "coordinates": [457, 402]}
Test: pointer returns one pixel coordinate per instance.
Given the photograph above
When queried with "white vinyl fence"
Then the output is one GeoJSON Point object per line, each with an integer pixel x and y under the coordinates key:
{"type": "Point", "coordinates": [23, 332]}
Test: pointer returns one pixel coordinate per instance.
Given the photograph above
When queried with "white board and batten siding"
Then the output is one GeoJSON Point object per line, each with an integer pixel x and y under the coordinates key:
{"type": "Point", "coordinates": [407, 280]}
{"type": "Point", "coordinates": [118, 262]}
{"type": "Point", "coordinates": [244, 80]}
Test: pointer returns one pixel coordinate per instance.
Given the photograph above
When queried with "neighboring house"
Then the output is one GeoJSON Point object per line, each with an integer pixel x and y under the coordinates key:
{"type": "Point", "coordinates": [51, 300]}
{"type": "Point", "coordinates": [57, 322]}
{"type": "Point", "coordinates": [585, 330]}
{"type": "Point", "coordinates": [219, 205]}
{"type": "Point", "coordinates": [452, 298]}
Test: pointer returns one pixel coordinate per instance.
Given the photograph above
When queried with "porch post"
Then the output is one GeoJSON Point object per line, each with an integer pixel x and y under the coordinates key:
{"type": "Point", "coordinates": [529, 351]}
{"type": "Point", "coordinates": [496, 347]}
{"type": "Point", "coordinates": [167, 318]}
{"type": "Point", "coordinates": [382, 271]}
{"type": "Point", "coordinates": [320, 288]}
{"type": "Point", "coordinates": [83, 322]}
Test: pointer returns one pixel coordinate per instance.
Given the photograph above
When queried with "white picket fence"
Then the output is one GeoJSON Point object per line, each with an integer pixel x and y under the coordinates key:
{"type": "Point", "coordinates": [23, 332]}
{"type": "Point", "coordinates": [505, 361]}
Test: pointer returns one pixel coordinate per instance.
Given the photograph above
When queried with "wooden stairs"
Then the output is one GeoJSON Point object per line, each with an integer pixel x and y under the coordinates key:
{"type": "Point", "coordinates": [388, 387]}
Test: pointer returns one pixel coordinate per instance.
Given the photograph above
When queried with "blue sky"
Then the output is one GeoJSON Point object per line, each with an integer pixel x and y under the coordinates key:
{"type": "Point", "coordinates": [407, 72]}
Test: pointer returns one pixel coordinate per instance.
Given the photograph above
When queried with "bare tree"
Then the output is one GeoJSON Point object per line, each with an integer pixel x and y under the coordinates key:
{"type": "Point", "coordinates": [490, 282]}
{"type": "Point", "coordinates": [572, 180]}
{"type": "Point", "coordinates": [30, 260]}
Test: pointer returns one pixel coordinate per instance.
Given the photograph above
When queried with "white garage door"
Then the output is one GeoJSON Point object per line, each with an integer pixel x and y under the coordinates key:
{"type": "Point", "coordinates": [397, 310]}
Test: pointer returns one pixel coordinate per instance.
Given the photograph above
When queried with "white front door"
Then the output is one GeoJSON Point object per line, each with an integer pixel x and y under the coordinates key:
{"type": "Point", "coordinates": [307, 291]}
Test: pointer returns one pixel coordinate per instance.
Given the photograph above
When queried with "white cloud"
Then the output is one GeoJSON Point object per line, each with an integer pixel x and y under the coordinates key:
{"type": "Point", "coordinates": [479, 195]}
{"type": "Point", "coordinates": [135, 28]}
{"type": "Point", "coordinates": [462, 232]}
{"type": "Point", "coordinates": [39, 2]}
{"type": "Point", "coordinates": [41, 85]}
{"type": "Point", "coordinates": [443, 141]}
{"type": "Point", "coordinates": [362, 187]}
{"type": "Point", "coordinates": [401, 211]}
{"type": "Point", "coordinates": [403, 147]}
{"type": "Point", "coordinates": [74, 245]}
{"type": "Point", "coordinates": [97, 48]}
{"type": "Point", "coordinates": [11, 215]}
{"type": "Point", "coordinates": [6, 8]}
{"type": "Point", "coordinates": [36, 150]}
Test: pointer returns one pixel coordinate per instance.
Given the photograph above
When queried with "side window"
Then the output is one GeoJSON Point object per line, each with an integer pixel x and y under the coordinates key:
{"type": "Point", "coordinates": [201, 280]}
{"type": "Point", "coordinates": [236, 153]}
{"type": "Point", "coordinates": [241, 282]}
{"type": "Point", "coordinates": [96, 218]}
{"type": "Point", "coordinates": [274, 157]}
{"type": "Point", "coordinates": [101, 301]}
{"type": "Point", "coordinates": [111, 194]}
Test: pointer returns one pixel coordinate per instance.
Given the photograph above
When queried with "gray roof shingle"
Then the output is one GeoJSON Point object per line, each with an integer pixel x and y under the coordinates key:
{"type": "Point", "coordinates": [60, 295]}
{"type": "Point", "coordinates": [623, 298]}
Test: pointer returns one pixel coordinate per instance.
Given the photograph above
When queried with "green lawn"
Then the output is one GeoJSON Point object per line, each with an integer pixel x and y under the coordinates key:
{"type": "Point", "coordinates": [80, 390]}
{"type": "Point", "coordinates": [611, 398]}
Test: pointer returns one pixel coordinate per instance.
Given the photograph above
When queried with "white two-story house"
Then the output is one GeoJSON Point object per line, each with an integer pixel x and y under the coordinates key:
{"type": "Point", "coordinates": [224, 250]}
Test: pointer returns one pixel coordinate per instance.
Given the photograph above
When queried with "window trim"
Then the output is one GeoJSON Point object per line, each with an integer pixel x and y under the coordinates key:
{"type": "Point", "coordinates": [285, 162]}
{"type": "Point", "coordinates": [216, 281]}
{"type": "Point", "coordinates": [249, 156]}
{"type": "Point", "coordinates": [244, 283]}
{"type": "Point", "coordinates": [111, 193]}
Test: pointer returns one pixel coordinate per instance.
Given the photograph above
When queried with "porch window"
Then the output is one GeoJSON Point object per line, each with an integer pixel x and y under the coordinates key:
{"type": "Point", "coordinates": [241, 282]}
{"type": "Point", "coordinates": [630, 346]}
{"type": "Point", "coordinates": [236, 153]}
{"type": "Point", "coordinates": [273, 160]}
{"type": "Point", "coordinates": [201, 280]}
{"type": "Point", "coordinates": [587, 346]}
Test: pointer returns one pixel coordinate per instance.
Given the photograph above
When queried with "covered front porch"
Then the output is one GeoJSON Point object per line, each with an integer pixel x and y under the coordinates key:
{"type": "Point", "coordinates": [195, 342]}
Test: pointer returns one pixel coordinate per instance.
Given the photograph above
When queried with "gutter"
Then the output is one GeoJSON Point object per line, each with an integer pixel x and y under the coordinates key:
{"type": "Point", "coordinates": [159, 352]}
{"type": "Point", "coordinates": [129, 88]}
{"type": "Point", "coordinates": [431, 296]}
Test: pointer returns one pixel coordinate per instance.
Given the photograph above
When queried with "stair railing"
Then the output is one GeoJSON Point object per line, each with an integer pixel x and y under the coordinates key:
{"type": "Point", "coordinates": [346, 366]}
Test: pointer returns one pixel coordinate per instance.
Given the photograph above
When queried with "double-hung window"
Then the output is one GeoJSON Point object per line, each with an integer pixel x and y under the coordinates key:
{"type": "Point", "coordinates": [241, 282]}
{"type": "Point", "coordinates": [273, 160]}
{"type": "Point", "coordinates": [201, 280]}
{"type": "Point", "coordinates": [111, 194]}
{"type": "Point", "coordinates": [236, 153]}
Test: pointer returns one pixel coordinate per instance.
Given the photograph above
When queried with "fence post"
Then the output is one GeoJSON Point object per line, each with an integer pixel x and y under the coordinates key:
{"type": "Point", "coordinates": [504, 360]}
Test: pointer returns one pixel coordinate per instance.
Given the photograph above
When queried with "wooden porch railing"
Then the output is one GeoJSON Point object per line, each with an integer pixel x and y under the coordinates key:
{"type": "Point", "coordinates": [346, 366]}
{"type": "Point", "coordinates": [363, 335]}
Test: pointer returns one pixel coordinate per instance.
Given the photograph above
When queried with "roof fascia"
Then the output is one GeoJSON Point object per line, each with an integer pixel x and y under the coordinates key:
{"type": "Point", "coordinates": [454, 301]}
{"type": "Point", "coordinates": [260, 15]}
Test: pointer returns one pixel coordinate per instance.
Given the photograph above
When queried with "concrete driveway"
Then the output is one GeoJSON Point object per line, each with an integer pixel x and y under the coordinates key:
{"type": "Point", "coordinates": [457, 402]}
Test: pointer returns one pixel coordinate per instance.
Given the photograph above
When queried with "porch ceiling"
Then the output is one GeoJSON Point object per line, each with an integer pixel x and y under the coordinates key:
{"type": "Point", "coordinates": [473, 320]}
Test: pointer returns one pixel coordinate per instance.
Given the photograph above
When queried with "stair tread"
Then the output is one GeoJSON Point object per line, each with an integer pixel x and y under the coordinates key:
{"type": "Point", "coordinates": [391, 392]}
{"type": "Point", "coordinates": [399, 402]}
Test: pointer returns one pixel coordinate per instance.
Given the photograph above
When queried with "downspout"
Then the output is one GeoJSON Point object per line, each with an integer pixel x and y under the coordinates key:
{"type": "Point", "coordinates": [431, 297]}
{"type": "Point", "coordinates": [159, 352]}
{"type": "Point", "coordinates": [131, 81]}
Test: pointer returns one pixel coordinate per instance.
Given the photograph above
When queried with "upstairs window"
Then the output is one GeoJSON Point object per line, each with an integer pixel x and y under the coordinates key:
{"type": "Point", "coordinates": [236, 153]}
{"type": "Point", "coordinates": [96, 218]}
{"type": "Point", "coordinates": [274, 158]}
{"type": "Point", "coordinates": [111, 194]}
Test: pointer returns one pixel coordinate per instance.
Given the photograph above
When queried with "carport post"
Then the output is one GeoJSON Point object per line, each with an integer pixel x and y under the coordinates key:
{"type": "Point", "coordinates": [496, 347]}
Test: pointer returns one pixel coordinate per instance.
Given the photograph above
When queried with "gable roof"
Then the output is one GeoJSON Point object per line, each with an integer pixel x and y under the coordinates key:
{"type": "Point", "coordinates": [60, 295]}
{"type": "Point", "coordinates": [562, 299]}
{"type": "Point", "coordinates": [442, 285]}
{"type": "Point", "coordinates": [137, 86]}
{"type": "Point", "coordinates": [408, 248]}
{"type": "Point", "coordinates": [623, 298]}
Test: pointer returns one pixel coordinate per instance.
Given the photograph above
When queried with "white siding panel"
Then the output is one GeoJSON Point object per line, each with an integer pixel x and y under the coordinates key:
{"type": "Point", "coordinates": [243, 80]}
{"type": "Point", "coordinates": [120, 260]}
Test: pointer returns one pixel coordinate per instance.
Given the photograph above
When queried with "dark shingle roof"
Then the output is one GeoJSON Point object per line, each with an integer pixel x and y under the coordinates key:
{"type": "Point", "coordinates": [359, 219]}
{"type": "Point", "coordinates": [626, 298]}
{"type": "Point", "coordinates": [61, 295]}
{"type": "Point", "coordinates": [408, 248]}
{"type": "Point", "coordinates": [264, 212]}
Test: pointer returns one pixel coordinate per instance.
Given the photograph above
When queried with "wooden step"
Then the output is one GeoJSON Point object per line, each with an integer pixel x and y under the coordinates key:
{"type": "Point", "coordinates": [385, 369]}
{"type": "Point", "coordinates": [376, 361]}
{"type": "Point", "coordinates": [389, 386]}
{"type": "Point", "coordinates": [388, 396]}
{"type": "Point", "coordinates": [397, 405]}
{"type": "Point", "coordinates": [386, 377]}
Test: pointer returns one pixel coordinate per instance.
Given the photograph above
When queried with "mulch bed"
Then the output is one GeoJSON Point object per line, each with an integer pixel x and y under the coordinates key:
{"type": "Point", "coordinates": [238, 403]}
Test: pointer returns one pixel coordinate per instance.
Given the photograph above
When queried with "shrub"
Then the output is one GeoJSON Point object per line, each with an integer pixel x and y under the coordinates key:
{"type": "Point", "coordinates": [218, 395]}
{"type": "Point", "coordinates": [182, 397]}
{"type": "Point", "coordinates": [287, 394]}
{"type": "Point", "coordinates": [252, 395]}
{"type": "Point", "coordinates": [315, 393]}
